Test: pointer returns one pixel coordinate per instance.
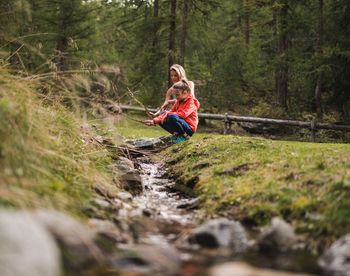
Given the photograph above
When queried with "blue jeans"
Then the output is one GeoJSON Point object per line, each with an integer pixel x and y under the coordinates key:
{"type": "Point", "coordinates": [176, 124]}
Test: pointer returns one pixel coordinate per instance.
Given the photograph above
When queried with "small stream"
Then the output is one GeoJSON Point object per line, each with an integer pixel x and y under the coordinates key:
{"type": "Point", "coordinates": [161, 203]}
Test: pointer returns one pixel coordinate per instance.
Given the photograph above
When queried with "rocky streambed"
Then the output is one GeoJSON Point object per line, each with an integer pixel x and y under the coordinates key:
{"type": "Point", "coordinates": [153, 229]}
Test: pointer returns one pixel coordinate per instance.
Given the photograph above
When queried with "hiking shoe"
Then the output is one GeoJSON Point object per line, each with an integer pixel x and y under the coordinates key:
{"type": "Point", "coordinates": [178, 139]}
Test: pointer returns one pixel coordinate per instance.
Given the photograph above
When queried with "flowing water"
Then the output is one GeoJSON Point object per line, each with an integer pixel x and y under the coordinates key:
{"type": "Point", "coordinates": [161, 202]}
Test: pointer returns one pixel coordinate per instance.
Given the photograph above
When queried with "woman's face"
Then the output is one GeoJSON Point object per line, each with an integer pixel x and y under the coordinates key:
{"type": "Point", "coordinates": [174, 77]}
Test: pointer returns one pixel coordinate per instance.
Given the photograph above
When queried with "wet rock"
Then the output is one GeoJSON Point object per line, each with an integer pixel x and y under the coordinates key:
{"type": "Point", "coordinates": [149, 143]}
{"type": "Point", "coordinates": [149, 259]}
{"type": "Point", "coordinates": [243, 269]}
{"type": "Point", "coordinates": [278, 237]}
{"type": "Point", "coordinates": [107, 234]}
{"type": "Point", "coordinates": [125, 164]}
{"type": "Point", "coordinates": [105, 190]}
{"type": "Point", "coordinates": [125, 196]}
{"type": "Point", "coordinates": [26, 247]}
{"type": "Point", "coordinates": [131, 182]}
{"type": "Point", "coordinates": [221, 233]}
{"type": "Point", "coordinates": [190, 204]}
{"type": "Point", "coordinates": [147, 212]}
{"type": "Point", "coordinates": [101, 203]}
{"type": "Point", "coordinates": [76, 241]}
{"type": "Point", "coordinates": [336, 260]}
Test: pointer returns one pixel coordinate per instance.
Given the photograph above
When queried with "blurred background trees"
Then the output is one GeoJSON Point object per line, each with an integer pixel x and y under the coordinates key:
{"type": "Point", "coordinates": [274, 58]}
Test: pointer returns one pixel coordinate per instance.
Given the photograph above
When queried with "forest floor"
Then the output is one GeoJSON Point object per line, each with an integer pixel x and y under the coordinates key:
{"type": "Point", "coordinates": [253, 179]}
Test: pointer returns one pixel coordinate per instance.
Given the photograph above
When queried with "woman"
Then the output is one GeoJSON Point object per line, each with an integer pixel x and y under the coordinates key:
{"type": "Point", "coordinates": [182, 119]}
{"type": "Point", "coordinates": [177, 73]}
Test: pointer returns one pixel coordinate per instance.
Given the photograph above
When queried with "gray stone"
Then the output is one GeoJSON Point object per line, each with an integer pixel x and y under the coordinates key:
{"type": "Point", "coordinates": [26, 247]}
{"type": "Point", "coordinates": [221, 233]}
{"type": "Point", "coordinates": [126, 162]}
{"type": "Point", "coordinates": [104, 204]}
{"type": "Point", "coordinates": [336, 260]}
{"type": "Point", "coordinates": [149, 259]}
{"type": "Point", "coordinates": [76, 240]}
{"type": "Point", "coordinates": [243, 269]}
{"type": "Point", "coordinates": [131, 182]}
{"type": "Point", "coordinates": [125, 196]}
{"type": "Point", "coordinates": [146, 143]}
{"type": "Point", "coordinates": [278, 237]}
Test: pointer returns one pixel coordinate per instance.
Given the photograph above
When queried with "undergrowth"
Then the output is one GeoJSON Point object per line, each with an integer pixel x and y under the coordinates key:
{"type": "Point", "coordinates": [44, 160]}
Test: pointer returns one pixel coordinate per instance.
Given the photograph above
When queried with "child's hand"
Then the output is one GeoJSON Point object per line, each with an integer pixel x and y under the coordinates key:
{"type": "Point", "coordinates": [164, 117]}
{"type": "Point", "coordinates": [149, 122]}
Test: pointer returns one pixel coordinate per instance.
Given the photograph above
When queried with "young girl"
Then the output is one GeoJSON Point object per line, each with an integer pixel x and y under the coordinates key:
{"type": "Point", "coordinates": [182, 119]}
{"type": "Point", "coordinates": [177, 73]}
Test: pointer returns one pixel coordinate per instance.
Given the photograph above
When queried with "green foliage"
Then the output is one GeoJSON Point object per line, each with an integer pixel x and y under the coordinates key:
{"type": "Point", "coordinates": [233, 48]}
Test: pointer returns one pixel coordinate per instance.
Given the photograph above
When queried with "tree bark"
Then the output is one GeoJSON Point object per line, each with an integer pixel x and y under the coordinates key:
{"type": "Point", "coordinates": [184, 31]}
{"type": "Point", "coordinates": [246, 22]}
{"type": "Point", "coordinates": [156, 24]}
{"type": "Point", "coordinates": [319, 53]}
{"type": "Point", "coordinates": [172, 33]}
{"type": "Point", "coordinates": [282, 51]}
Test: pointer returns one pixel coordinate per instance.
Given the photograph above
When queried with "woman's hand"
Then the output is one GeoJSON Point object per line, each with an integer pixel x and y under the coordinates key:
{"type": "Point", "coordinates": [151, 115]}
{"type": "Point", "coordinates": [149, 123]}
{"type": "Point", "coordinates": [165, 104]}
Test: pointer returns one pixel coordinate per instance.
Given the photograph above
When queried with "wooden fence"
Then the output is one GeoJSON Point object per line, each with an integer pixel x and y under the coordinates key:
{"type": "Point", "coordinates": [312, 125]}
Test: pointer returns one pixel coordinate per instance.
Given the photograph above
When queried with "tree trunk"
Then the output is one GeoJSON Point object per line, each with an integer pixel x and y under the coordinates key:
{"type": "Point", "coordinates": [61, 48]}
{"type": "Point", "coordinates": [282, 51]}
{"type": "Point", "coordinates": [246, 22]}
{"type": "Point", "coordinates": [172, 32]}
{"type": "Point", "coordinates": [319, 53]}
{"type": "Point", "coordinates": [184, 31]}
{"type": "Point", "coordinates": [156, 24]}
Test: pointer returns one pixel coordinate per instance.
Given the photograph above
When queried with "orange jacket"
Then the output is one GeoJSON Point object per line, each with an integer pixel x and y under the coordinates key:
{"type": "Point", "coordinates": [186, 109]}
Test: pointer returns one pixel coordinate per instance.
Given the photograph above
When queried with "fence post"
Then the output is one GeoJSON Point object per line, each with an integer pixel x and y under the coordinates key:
{"type": "Point", "coordinates": [227, 124]}
{"type": "Point", "coordinates": [313, 129]}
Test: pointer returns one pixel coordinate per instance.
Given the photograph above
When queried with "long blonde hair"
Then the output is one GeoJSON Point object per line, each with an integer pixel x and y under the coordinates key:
{"type": "Point", "coordinates": [180, 71]}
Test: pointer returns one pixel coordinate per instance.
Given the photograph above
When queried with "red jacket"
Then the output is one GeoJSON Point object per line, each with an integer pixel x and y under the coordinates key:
{"type": "Point", "coordinates": [186, 109]}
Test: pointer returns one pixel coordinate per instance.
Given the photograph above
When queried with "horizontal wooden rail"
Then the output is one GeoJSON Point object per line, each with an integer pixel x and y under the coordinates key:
{"type": "Point", "coordinates": [312, 125]}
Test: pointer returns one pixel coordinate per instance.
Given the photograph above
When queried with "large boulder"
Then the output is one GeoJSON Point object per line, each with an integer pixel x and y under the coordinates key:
{"type": "Point", "coordinates": [26, 247]}
{"type": "Point", "coordinates": [278, 237]}
{"type": "Point", "coordinates": [162, 259]}
{"type": "Point", "coordinates": [336, 260]}
{"type": "Point", "coordinates": [243, 269]}
{"type": "Point", "coordinates": [76, 241]}
{"type": "Point", "coordinates": [131, 182]}
{"type": "Point", "coordinates": [221, 233]}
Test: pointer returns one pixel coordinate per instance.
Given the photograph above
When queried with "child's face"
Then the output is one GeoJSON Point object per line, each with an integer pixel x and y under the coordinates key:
{"type": "Point", "coordinates": [174, 77]}
{"type": "Point", "coordinates": [181, 94]}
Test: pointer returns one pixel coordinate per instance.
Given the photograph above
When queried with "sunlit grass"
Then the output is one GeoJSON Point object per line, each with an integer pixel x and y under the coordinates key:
{"type": "Point", "coordinates": [132, 129]}
{"type": "Point", "coordinates": [44, 161]}
{"type": "Point", "coordinates": [256, 179]}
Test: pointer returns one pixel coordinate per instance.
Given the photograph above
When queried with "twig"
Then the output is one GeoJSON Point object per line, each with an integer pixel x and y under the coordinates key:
{"type": "Point", "coordinates": [138, 101]}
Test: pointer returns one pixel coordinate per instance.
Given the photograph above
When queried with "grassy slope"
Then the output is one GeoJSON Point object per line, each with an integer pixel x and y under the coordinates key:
{"type": "Point", "coordinates": [254, 179]}
{"type": "Point", "coordinates": [43, 160]}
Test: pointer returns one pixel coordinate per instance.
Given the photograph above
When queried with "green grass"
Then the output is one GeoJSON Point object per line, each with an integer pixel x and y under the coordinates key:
{"type": "Point", "coordinates": [44, 162]}
{"type": "Point", "coordinates": [254, 179]}
{"type": "Point", "coordinates": [133, 130]}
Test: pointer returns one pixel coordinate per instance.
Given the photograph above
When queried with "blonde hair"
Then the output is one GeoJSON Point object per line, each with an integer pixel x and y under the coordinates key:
{"type": "Point", "coordinates": [180, 71]}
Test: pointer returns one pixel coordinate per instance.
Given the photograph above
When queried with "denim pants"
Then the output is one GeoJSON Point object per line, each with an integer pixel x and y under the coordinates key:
{"type": "Point", "coordinates": [176, 124]}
